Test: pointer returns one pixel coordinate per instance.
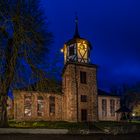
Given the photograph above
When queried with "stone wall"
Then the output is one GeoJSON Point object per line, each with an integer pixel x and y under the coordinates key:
{"type": "Point", "coordinates": [73, 90]}
{"type": "Point", "coordinates": [68, 104]}
{"type": "Point", "coordinates": [19, 113]}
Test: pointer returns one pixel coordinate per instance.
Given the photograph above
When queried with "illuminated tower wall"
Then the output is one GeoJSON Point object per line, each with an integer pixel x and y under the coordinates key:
{"type": "Point", "coordinates": [79, 81]}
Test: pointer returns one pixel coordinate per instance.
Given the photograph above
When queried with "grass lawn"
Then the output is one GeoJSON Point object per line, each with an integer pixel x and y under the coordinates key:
{"type": "Point", "coordinates": [72, 126]}
{"type": "Point", "coordinates": [47, 124]}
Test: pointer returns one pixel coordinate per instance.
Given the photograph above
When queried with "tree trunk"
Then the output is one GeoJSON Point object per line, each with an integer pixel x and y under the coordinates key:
{"type": "Point", "coordinates": [3, 113]}
{"type": "Point", "coordinates": [10, 66]}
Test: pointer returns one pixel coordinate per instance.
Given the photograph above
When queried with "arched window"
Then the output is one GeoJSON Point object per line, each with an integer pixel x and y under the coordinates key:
{"type": "Point", "coordinates": [40, 106]}
{"type": "Point", "coordinates": [27, 105]}
{"type": "Point", "coordinates": [71, 50]}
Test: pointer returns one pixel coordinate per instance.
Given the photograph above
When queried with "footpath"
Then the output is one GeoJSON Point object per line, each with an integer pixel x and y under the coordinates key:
{"type": "Point", "coordinates": [46, 131]}
{"type": "Point", "coordinates": [32, 131]}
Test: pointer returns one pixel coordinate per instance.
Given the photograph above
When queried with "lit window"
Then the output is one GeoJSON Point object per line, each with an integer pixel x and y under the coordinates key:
{"type": "Point", "coordinates": [71, 50]}
{"type": "Point", "coordinates": [40, 106]}
{"type": "Point", "coordinates": [83, 77]}
{"type": "Point", "coordinates": [112, 107]}
{"type": "Point", "coordinates": [83, 98]}
{"type": "Point", "coordinates": [52, 104]}
{"type": "Point", "coordinates": [27, 105]}
{"type": "Point", "coordinates": [104, 107]}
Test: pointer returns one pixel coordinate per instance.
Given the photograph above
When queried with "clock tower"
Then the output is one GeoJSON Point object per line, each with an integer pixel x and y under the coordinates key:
{"type": "Point", "coordinates": [79, 81]}
{"type": "Point", "coordinates": [77, 49]}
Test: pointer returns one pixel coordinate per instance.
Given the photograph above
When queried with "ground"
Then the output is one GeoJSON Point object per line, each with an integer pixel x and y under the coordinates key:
{"type": "Point", "coordinates": [69, 137]}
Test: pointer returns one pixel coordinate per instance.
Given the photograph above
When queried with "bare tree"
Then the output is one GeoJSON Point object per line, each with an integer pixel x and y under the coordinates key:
{"type": "Point", "coordinates": [24, 39]}
{"type": "Point", "coordinates": [129, 94]}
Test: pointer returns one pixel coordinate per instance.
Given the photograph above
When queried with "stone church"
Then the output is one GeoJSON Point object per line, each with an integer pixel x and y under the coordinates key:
{"type": "Point", "coordinates": [78, 101]}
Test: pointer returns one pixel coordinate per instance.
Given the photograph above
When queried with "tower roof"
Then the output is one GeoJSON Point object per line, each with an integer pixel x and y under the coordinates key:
{"type": "Point", "coordinates": [76, 34]}
{"type": "Point", "coordinates": [76, 38]}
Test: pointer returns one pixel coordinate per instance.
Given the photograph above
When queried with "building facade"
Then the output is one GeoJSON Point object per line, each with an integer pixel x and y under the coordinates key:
{"type": "Point", "coordinates": [78, 101]}
{"type": "Point", "coordinates": [107, 106]}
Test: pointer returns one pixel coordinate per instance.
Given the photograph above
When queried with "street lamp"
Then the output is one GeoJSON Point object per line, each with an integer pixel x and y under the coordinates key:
{"type": "Point", "coordinates": [133, 114]}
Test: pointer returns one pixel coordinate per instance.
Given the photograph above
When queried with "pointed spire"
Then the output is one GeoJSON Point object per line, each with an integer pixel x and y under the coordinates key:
{"type": "Point", "coordinates": [76, 35]}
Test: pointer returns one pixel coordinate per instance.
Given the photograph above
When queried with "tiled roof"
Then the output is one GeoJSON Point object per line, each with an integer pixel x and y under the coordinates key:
{"type": "Point", "coordinates": [104, 93]}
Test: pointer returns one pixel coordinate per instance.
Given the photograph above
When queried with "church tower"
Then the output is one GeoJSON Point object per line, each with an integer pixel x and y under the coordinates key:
{"type": "Point", "coordinates": [79, 81]}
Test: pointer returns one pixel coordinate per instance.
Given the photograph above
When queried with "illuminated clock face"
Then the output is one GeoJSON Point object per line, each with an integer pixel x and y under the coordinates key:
{"type": "Point", "coordinates": [82, 46]}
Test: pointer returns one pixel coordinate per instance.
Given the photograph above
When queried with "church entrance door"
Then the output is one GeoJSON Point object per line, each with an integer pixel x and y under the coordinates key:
{"type": "Point", "coordinates": [84, 115]}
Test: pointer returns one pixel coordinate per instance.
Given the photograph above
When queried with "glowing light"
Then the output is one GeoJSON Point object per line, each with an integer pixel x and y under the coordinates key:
{"type": "Point", "coordinates": [62, 50]}
{"type": "Point", "coordinates": [133, 114]}
{"type": "Point", "coordinates": [82, 47]}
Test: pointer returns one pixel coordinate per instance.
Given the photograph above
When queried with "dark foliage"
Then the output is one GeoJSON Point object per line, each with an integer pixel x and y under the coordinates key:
{"type": "Point", "coordinates": [24, 40]}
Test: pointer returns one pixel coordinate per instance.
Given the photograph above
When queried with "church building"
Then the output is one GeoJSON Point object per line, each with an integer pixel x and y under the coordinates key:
{"type": "Point", "coordinates": [78, 101]}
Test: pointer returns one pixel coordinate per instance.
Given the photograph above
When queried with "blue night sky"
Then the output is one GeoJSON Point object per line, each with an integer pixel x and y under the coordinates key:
{"type": "Point", "coordinates": [112, 27]}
